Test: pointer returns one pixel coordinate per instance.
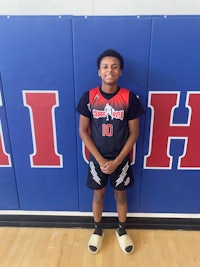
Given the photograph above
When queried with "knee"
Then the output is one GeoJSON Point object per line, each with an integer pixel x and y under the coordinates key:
{"type": "Point", "coordinates": [98, 198]}
{"type": "Point", "coordinates": [120, 198]}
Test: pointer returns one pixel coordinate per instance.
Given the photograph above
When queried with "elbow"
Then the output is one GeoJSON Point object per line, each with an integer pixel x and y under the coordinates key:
{"type": "Point", "coordinates": [134, 135]}
{"type": "Point", "coordinates": [82, 133]}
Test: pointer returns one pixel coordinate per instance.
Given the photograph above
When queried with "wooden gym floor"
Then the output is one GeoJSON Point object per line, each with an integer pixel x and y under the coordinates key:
{"type": "Point", "coordinates": [60, 247]}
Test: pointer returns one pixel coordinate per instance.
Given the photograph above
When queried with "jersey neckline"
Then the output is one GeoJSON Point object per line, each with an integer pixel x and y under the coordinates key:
{"type": "Point", "coordinates": [108, 96]}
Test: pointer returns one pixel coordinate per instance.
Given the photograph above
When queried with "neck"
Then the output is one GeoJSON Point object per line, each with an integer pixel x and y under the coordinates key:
{"type": "Point", "coordinates": [109, 89]}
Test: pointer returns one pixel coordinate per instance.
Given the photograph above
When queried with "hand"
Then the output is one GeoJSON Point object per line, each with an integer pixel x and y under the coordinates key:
{"type": "Point", "coordinates": [108, 167]}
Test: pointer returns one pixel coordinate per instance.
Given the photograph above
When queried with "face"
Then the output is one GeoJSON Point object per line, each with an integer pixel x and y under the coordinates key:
{"type": "Point", "coordinates": [109, 70]}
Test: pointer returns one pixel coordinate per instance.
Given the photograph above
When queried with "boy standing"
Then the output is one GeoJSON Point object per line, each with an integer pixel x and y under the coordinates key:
{"type": "Point", "coordinates": [109, 127]}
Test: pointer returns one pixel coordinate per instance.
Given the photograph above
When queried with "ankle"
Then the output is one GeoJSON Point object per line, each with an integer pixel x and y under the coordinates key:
{"type": "Point", "coordinates": [121, 228]}
{"type": "Point", "coordinates": [98, 228]}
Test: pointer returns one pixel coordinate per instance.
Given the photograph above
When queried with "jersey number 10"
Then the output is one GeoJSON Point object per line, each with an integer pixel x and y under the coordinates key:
{"type": "Point", "coordinates": [107, 130]}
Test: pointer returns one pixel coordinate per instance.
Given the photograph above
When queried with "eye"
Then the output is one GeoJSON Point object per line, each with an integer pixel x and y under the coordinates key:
{"type": "Point", "coordinates": [115, 67]}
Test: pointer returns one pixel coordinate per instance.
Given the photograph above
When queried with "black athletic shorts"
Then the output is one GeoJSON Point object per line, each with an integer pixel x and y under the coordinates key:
{"type": "Point", "coordinates": [120, 179]}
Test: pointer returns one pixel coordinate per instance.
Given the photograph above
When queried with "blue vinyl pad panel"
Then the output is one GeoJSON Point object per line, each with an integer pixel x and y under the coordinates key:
{"type": "Point", "coordinates": [48, 62]}
{"type": "Point", "coordinates": [131, 37]}
{"type": "Point", "coordinates": [38, 85]}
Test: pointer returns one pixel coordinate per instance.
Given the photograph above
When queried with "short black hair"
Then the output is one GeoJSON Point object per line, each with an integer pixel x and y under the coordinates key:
{"type": "Point", "coordinates": [110, 53]}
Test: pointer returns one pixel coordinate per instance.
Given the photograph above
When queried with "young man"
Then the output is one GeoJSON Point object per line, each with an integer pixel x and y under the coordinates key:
{"type": "Point", "coordinates": [109, 127]}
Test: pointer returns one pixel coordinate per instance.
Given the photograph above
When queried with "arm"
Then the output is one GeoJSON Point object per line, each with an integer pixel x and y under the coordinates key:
{"type": "Point", "coordinates": [110, 166]}
{"type": "Point", "coordinates": [84, 124]}
{"type": "Point", "coordinates": [133, 136]}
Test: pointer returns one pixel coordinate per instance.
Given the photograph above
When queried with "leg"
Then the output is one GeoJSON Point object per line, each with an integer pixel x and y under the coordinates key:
{"type": "Point", "coordinates": [122, 206]}
{"type": "Point", "coordinates": [97, 181]}
{"type": "Point", "coordinates": [121, 179]}
{"type": "Point", "coordinates": [96, 239]}
{"type": "Point", "coordinates": [97, 204]}
{"type": "Point", "coordinates": [124, 239]}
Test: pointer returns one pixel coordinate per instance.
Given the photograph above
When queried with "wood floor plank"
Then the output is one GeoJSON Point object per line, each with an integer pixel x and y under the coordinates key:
{"type": "Point", "coordinates": [59, 247]}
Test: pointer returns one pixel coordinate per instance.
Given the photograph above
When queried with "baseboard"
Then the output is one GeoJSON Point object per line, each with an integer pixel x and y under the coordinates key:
{"type": "Point", "coordinates": [108, 222]}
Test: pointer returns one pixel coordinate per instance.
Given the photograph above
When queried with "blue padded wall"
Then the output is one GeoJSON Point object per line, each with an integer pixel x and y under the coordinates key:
{"type": "Point", "coordinates": [36, 56]}
{"type": "Point", "coordinates": [174, 67]}
{"type": "Point", "coordinates": [47, 62]}
{"type": "Point", "coordinates": [8, 187]}
{"type": "Point", "coordinates": [131, 37]}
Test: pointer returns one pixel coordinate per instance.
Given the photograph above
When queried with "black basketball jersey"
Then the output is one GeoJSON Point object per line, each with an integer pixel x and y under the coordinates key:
{"type": "Point", "coordinates": [109, 116]}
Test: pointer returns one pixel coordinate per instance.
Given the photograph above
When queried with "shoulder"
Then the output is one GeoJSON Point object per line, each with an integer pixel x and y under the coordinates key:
{"type": "Point", "coordinates": [125, 90]}
{"type": "Point", "coordinates": [93, 91]}
{"type": "Point", "coordinates": [132, 96]}
{"type": "Point", "coordinates": [82, 106]}
{"type": "Point", "coordinates": [135, 107]}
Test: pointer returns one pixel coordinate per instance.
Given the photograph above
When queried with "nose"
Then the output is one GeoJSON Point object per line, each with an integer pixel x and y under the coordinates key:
{"type": "Point", "coordinates": [109, 68]}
